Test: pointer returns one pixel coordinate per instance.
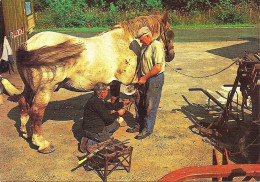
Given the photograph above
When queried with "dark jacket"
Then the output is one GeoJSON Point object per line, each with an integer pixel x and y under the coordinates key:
{"type": "Point", "coordinates": [97, 114]}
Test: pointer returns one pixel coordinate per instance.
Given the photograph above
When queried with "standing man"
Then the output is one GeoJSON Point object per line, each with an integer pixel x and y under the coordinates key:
{"type": "Point", "coordinates": [152, 66]}
{"type": "Point", "coordinates": [99, 119]}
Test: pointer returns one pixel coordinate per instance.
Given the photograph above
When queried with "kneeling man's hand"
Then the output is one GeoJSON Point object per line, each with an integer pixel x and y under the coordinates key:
{"type": "Point", "coordinates": [126, 101]}
{"type": "Point", "coordinates": [121, 112]}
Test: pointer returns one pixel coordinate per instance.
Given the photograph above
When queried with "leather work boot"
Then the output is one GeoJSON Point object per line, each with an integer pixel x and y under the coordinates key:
{"type": "Point", "coordinates": [142, 135]}
{"type": "Point", "coordinates": [92, 148]}
{"type": "Point", "coordinates": [83, 145]}
{"type": "Point", "coordinates": [135, 129]}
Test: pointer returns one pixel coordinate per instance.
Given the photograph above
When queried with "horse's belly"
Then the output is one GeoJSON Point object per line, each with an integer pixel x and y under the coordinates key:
{"type": "Point", "coordinates": [79, 84]}
{"type": "Point", "coordinates": [72, 86]}
{"type": "Point", "coordinates": [103, 61]}
{"type": "Point", "coordinates": [88, 81]}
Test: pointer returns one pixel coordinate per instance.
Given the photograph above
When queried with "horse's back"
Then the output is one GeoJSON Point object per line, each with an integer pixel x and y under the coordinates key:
{"type": "Point", "coordinates": [47, 57]}
{"type": "Point", "coordinates": [47, 38]}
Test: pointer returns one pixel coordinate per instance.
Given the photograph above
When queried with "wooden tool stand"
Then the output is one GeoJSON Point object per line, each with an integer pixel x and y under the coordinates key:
{"type": "Point", "coordinates": [110, 159]}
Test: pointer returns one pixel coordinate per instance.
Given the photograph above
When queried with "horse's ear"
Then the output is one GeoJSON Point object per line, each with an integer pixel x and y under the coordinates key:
{"type": "Point", "coordinates": [165, 17]}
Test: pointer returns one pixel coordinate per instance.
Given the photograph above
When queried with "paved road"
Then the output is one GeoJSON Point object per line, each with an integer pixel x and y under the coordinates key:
{"type": "Point", "coordinates": [202, 34]}
{"type": "Point", "coordinates": [217, 34]}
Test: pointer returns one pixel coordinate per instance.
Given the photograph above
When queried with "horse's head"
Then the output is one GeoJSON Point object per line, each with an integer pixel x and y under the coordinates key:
{"type": "Point", "coordinates": [159, 27]}
{"type": "Point", "coordinates": [167, 35]}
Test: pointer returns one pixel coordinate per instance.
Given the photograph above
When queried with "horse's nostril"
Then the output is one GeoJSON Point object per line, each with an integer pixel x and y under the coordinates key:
{"type": "Point", "coordinates": [170, 57]}
{"type": "Point", "coordinates": [170, 54]}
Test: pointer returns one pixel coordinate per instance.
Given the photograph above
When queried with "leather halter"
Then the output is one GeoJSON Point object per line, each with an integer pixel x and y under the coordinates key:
{"type": "Point", "coordinates": [163, 31]}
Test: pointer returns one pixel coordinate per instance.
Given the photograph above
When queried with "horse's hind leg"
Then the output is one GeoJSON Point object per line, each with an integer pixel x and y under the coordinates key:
{"type": "Point", "coordinates": [24, 105]}
{"type": "Point", "coordinates": [39, 105]}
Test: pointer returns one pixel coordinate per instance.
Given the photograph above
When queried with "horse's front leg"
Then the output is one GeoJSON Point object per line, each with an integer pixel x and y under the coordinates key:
{"type": "Point", "coordinates": [115, 91]}
{"type": "Point", "coordinates": [39, 105]}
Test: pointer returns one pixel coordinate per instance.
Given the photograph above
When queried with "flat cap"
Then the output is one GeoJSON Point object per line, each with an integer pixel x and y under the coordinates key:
{"type": "Point", "coordinates": [142, 31]}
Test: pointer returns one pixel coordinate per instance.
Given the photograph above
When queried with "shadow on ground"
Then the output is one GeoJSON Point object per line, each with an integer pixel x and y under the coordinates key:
{"type": "Point", "coordinates": [237, 50]}
{"type": "Point", "coordinates": [64, 110]}
{"type": "Point", "coordinates": [239, 138]}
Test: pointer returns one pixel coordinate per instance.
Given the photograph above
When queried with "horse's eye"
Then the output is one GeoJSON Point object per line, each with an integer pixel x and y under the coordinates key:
{"type": "Point", "coordinates": [169, 35]}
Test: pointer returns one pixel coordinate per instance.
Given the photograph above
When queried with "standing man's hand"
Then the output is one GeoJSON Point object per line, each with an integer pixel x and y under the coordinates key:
{"type": "Point", "coordinates": [142, 80]}
{"type": "Point", "coordinates": [154, 71]}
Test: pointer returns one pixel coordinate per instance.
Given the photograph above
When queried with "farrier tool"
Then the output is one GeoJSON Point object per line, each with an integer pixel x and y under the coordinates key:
{"type": "Point", "coordinates": [106, 145]}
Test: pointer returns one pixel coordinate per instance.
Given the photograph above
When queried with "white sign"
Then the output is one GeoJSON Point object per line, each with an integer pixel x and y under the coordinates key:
{"type": "Point", "coordinates": [17, 33]}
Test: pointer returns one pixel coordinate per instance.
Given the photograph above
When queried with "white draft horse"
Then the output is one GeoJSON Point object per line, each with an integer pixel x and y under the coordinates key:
{"type": "Point", "coordinates": [49, 61]}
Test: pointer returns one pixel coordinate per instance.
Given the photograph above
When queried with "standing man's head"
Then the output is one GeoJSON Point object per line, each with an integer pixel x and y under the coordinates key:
{"type": "Point", "coordinates": [144, 34]}
{"type": "Point", "coordinates": [101, 90]}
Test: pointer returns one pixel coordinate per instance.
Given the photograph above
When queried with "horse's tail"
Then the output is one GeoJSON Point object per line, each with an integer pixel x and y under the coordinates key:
{"type": "Point", "coordinates": [48, 54]}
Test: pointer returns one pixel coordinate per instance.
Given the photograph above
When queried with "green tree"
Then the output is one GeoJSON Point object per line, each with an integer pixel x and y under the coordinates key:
{"type": "Point", "coordinates": [189, 5]}
{"type": "Point", "coordinates": [113, 12]}
{"type": "Point", "coordinates": [226, 12]}
{"type": "Point", "coordinates": [40, 5]}
{"type": "Point", "coordinates": [152, 4]}
{"type": "Point", "coordinates": [69, 13]}
{"type": "Point", "coordinates": [128, 5]}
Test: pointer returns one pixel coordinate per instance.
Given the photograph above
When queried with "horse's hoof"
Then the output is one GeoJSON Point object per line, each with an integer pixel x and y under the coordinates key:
{"type": "Point", "coordinates": [24, 135]}
{"type": "Point", "coordinates": [47, 150]}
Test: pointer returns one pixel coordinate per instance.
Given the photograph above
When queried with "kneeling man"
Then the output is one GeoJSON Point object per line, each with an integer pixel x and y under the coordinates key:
{"type": "Point", "coordinates": [99, 119]}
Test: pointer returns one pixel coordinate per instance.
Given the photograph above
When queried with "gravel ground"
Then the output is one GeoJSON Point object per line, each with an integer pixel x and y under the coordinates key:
{"type": "Point", "coordinates": [173, 145]}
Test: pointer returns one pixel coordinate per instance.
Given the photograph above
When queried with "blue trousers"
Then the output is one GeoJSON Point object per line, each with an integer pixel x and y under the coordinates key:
{"type": "Point", "coordinates": [148, 103]}
{"type": "Point", "coordinates": [94, 138]}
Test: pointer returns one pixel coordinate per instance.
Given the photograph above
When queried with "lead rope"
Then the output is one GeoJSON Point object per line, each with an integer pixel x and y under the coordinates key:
{"type": "Point", "coordinates": [201, 76]}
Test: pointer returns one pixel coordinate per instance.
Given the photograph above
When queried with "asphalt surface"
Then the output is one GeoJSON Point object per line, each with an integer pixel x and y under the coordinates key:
{"type": "Point", "coordinates": [199, 34]}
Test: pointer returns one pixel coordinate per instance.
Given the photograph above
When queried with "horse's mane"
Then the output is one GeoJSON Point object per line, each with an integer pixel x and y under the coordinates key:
{"type": "Point", "coordinates": [48, 54]}
{"type": "Point", "coordinates": [132, 26]}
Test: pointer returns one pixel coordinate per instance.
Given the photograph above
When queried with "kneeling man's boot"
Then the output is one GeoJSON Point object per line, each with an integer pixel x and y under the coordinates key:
{"type": "Point", "coordinates": [83, 145]}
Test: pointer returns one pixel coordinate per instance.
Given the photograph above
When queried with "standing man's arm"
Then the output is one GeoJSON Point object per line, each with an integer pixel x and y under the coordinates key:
{"type": "Point", "coordinates": [154, 71]}
{"type": "Point", "coordinates": [158, 58]}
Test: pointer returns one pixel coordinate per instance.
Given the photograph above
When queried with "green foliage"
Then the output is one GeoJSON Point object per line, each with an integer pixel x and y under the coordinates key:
{"type": "Point", "coordinates": [106, 13]}
{"type": "Point", "coordinates": [152, 4]}
{"type": "Point", "coordinates": [227, 12]}
{"type": "Point", "coordinates": [45, 19]}
{"type": "Point", "coordinates": [173, 18]}
{"type": "Point", "coordinates": [188, 5]}
{"type": "Point", "coordinates": [198, 5]}
{"type": "Point", "coordinates": [40, 5]}
{"type": "Point", "coordinates": [101, 4]}
{"type": "Point", "coordinates": [128, 5]}
{"type": "Point", "coordinates": [97, 18]}
{"type": "Point", "coordinates": [69, 13]}
{"type": "Point", "coordinates": [113, 12]}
